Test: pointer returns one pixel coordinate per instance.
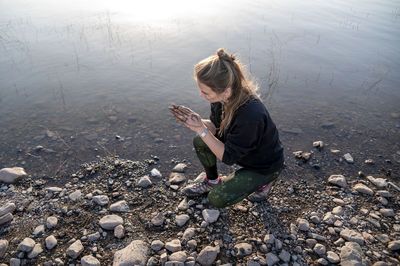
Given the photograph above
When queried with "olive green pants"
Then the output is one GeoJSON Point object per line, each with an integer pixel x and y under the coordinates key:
{"type": "Point", "coordinates": [237, 186]}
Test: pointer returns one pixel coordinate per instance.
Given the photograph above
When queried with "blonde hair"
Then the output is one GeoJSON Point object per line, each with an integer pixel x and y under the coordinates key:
{"type": "Point", "coordinates": [222, 71]}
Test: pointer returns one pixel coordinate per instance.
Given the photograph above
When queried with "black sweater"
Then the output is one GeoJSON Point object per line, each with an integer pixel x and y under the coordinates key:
{"type": "Point", "coordinates": [252, 139]}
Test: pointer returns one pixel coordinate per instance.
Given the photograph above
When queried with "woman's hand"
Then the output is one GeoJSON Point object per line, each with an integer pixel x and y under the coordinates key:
{"type": "Point", "coordinates": [185, 116]}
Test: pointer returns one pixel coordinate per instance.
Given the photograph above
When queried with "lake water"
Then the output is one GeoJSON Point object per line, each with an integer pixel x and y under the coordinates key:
{"type": "Point", "coordinates": [96, 78]}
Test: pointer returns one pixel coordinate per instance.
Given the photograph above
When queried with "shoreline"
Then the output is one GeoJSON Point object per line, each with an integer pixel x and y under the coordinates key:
{"type": "Point", "coordinates": [303, 222]}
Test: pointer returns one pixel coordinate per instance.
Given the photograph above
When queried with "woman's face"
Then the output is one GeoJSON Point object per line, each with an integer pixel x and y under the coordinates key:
{"type": "Point", "coordinates": [208, 94]}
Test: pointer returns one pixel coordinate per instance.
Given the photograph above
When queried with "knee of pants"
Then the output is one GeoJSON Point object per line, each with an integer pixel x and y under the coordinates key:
{"type": "Point", "coordinates": [215, 200]}
{"type": "Point", "coordinates": [198, 142]}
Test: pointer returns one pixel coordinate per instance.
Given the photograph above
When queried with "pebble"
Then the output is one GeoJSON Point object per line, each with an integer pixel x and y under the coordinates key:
{"type": "Point", "coordinates": [207, 255]}
{"type": "Point", "coordinates": [210, 216]}
{"type": "Point", "coordinates": [351, 254]}
{"type": "Point", "coordinates": [89, 260]}
{"type": "Point", "coordinates": [145, 182]}
{"type": "Point", "coordinates": [120, 206]}
{"type": "Point", "coordinates": [51, 242]}
{"type": "Point", "coordinates": [179, 256]}
{"type": "Point", "coordinates": [101, 200]}
{"type": "Point", "coordinates": [189, 233]}
{"type": "Point", "coordinates": [119, 231]}
{"type": "Point", "coordinates": [363, 189]}
{"type": "Point", "coordinates": [3, 247]}
{"type": "Point", "coordinates": [303, 224]}
{"type": "Point", "coordinates": [76, 195]}
{"type": "Point", "coordinates": [176, 178]}
{"type": "Point", "coordinates": [348, 158]}
{"type": "Point", "coordinates": [285, 256]}
{"type": "Point", "coordinates": [158, 220]}
{"type": "Point", "coordinates": [109, 222]}
{"type": "Point", "coordinates": [379, 182]}
{"type": "Point", "coordinates": [6, 218]}
{"type": "Point", "coordinates": [243, 249]}
{"type": "Point", "coordinates": [351, 235]}
{"type": "Point", "coordinates": [51, 222]}
{"type": "Point", "coordinates": [329, 218]}
{"type": "Point", "coordinates": [339, 202]}
{"type": "Point", "coordinates": [173, 245]}
{"type": "Point", "coordinates": [271, 259]}
{"type": "Point", "coordinates": [9, 207]}
{"type": "Point", "coordinates": [387, 212]}
{"type": "Point", "coordinates": [93, 237]}
{"type": "Point", "coordinates": [183, 205]}
{"type": "Point", "coordinates": [26, 245]}
{"type": "Point", "coordinates": [180, 168]}
{"type": "Point", "coordinates": [338, 210]}
{"type": "Point", "coordinates": [37, 249]}
{"type": "Point", "coordinates": [338, 180]}
{"type": "Point", "coordinates": [182, 219]}
{"type": "Point", "coordinates": [155, 173]}
{"type": "Point", "coordinates": [332, 257]}
{"type": "Point", "coordinates": [394, 245]}
{"type": "Point", "coordinates": [319, 249]}
{"type": "Point", "coordinates": [11, 175]}
{"type": "Point", "coordinates": [75, 249]}
{"type": "Point", "coordinates": [133, 254]}
{"type": "Point", "coordinates": [156, 245]}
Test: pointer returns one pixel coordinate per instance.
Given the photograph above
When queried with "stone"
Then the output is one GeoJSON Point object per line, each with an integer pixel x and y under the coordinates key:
{"type": "Point", "coordinates": [178, 256]}
{"type": "Point", "coordinates": [319, 249]}
{"type": "Point", "coordinates": [332, 257]}
{"type": "Point", "coordinates": [155, 173]}
{"type": "Point", "coordinates": [9, 207]}
{"type": "Point", "coordinates": [6, 218]}
{"type": "Point", "coordinates": [51, 242]}
{"type": "Point", "coordinates": [11, 175]}
{"type": "Point", "coordinates": [207, 255]}
{"type": "Point", "coordinates": [176, 178]}
{"type": "Point", "coordinates": [158, 220]}
{"type": "Point", "coordinates": [384, 193]}
{"type": "Point", "coordinates": [76, 195]}
{"type": "Point", "coordinates": [318, 144]}
{"type": "Point", "coordinates": [329, 218]}
{"type": "Point", "coordinates": [192, 244]}
{"type": "Point", "coordinates": [269, 239]}
{"type": "Point", "coordinates": [39, 230]}
{"type": "Point", "coordinates": [37, 249]}
{"type": "Point", "coordinates": [210, 216]}
{"type": "Point", "coordinates": [119, 231]}
{"type": "Point", "coordinates": [26, 245]}
{"type": "Point", "coordinates": [136, 253]}
{"type": "Point", "coordinates": [101, 200]}
{"type": "Point", "coordinates": [145, 182]}
{"type": "Point", "coordinates": [51, 222]}
{"type": "Point", "coordinates": [387, 212]}
{"type": "Point", "coordinates": [321, 261]}
{"type": "Point", "coordinates": [243, 249]}
{"type": "Point", "coordinates": [303, 224]}
{"type": "Point", "coordinates": [15, 262]}
{"type": "Point", "coordinates": [120, 206]}
{"type": "Point", "coordinates": [351, 254]}
{"type": "Point", "coordinates": [109, 222]}
{"type": "Point", "coordinates": [75, 249]}
{"type": "Point", "coordinates": [338, 210]}
{"type": "Point", "coordinates": [271, 259]}
{"type": "Point", "coordinates": [93, 237]}
{"type": "Point", "coordinates": [351, 235]}
{"type": "Point", "coordinates": [189, 233]}
{"type": "Point", "coordinates": [182, 219]}
{"type": "Point", "coordinates": [348, 158]}
{"type": "Point", "coordinates": [368, 237]}
{"type": "Point", "coordinates": [173, 245]}
{"type": "Point", "coordinates": [339, 202]}
{"type": "Point", "coordinates": [378, 182]}
{"type": "Point", "coordinates": [89, 260]}
{"type": "Point", "coordinates": [338, 180]}
{"type": "Point", "coordinates": [3, 247]}
{"type": "Point", "coordinates": [53, 189]}
{"type": "Point", "coordinates": [285, 256]}
{"type": "Point", "coordinates": [183, 205]}
{"type": "Point", "coordinates": [363, 189]}
{"type": "Point", "coordinates": [180, 168]}
{"type": "Point", "coordinates": [394, 245]}
{"type": "Point", "coordinates": [156, 245]}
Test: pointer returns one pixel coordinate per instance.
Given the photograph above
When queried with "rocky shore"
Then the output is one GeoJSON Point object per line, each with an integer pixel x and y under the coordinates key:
{"type": "Point", "coordinates": [119, 212]}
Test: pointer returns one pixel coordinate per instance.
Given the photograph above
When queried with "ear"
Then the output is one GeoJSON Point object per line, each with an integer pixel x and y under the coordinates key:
{"type": "Point", "coordinates": [228, 92]}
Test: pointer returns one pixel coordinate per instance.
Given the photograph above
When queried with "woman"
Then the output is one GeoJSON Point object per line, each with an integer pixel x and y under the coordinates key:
{"type": "Point", "coordinates": [240, 131]}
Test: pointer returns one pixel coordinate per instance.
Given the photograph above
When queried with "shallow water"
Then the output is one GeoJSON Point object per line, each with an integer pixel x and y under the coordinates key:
{"type": "Point", "coordinates": [75, 75]}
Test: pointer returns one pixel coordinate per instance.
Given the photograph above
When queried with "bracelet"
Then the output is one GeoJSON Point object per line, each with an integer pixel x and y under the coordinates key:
{"type": "Point", "coordinates": [204, 133]}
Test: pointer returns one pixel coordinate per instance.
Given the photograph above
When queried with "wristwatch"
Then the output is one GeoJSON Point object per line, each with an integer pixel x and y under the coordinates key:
{"type": "Point", "coordinates": [204, 133]}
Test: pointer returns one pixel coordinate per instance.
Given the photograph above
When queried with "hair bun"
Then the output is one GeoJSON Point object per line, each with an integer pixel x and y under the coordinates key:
{"type": "Point", "coordinates": [222, 55]}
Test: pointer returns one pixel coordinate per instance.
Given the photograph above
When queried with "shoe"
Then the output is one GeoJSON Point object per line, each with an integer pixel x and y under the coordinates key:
{"type": "Point", "coordinates": [261, 194]}
{"type": "Point", "coordinates": [199, 188]}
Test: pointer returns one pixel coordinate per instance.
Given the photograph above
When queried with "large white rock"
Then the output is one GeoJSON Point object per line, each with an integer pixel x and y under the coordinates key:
{"type": "Point", "coordinates": [351, 235]}
{"type": "Point", "coordinates": [120, 206]}
{"type": "Point", "coordinates": [181, 219]}
{"type": "Point", "coordinates": [11, 175]}
{"type": "Point", "coordinates": [135, 253]}
{"type": "Point", "coordinates": [338, 180]}
{"type": "Point", "coordinates": [51, 242]}
{"type": "Point", "coordinates": [363, 189]}
{"type": "Point", "coordinates": [9, 207]}
{"type": "Point", "coordinates": [51, 222]}
{"type": "Point", "coordinates": [109, 222]}
{"type": "Point", "coordinates": [75, 249]}
{"type": "Point", "coordinates": [207, 255]}
{"type": "Point", "coordinates": [351, 254]}
{"type": "Point", "coordinates": [210, 216]}
{"type": "Point", "coordinates": [26, 245]}
{"type": "Point", "coordinates": [173, 245]}
{"type": "Point", "coordinates": [89, 260]}
{"type": "Point", "coordinates": [37, 249]}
